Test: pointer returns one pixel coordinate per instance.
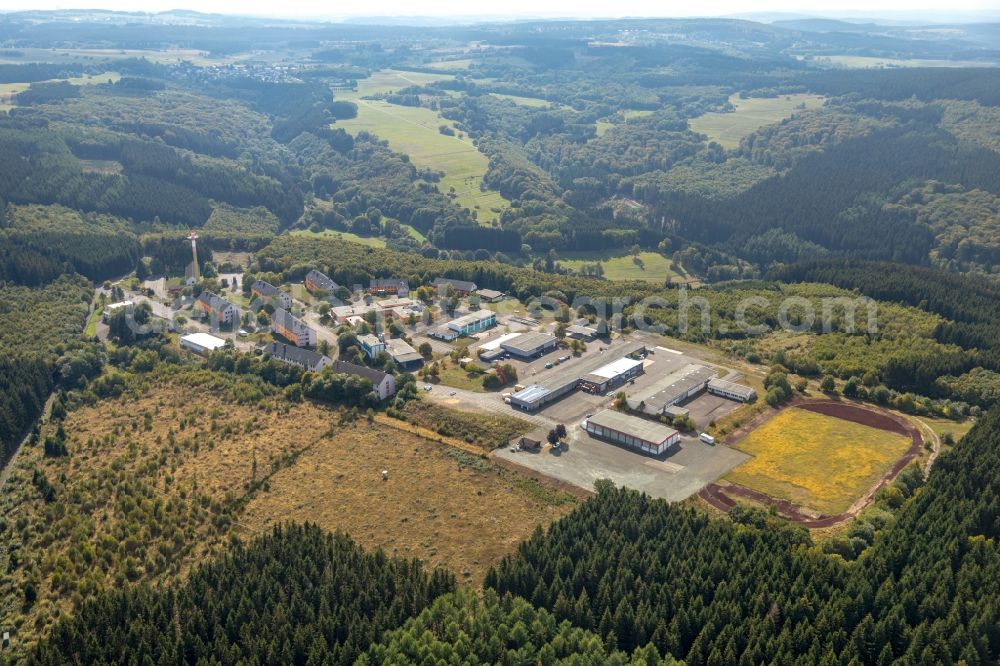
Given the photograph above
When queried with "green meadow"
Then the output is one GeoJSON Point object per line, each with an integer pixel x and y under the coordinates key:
{"type": "Point", "coordinates": [652, 266]}
{"type": "Point", "coordinates": [415, 132]}
{"type": "Point", "coordinates": [8, 90]}
{"type": "Point", "coordinates": [727, 129]}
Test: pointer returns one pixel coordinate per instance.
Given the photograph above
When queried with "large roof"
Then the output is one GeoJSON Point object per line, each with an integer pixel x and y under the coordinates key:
{"type": "Point", "coordinates": [615, 368]}
{"type": "Point", "coordinates": [293, 354]}
{"type": "Point", "coordinates": [286, 319]}
{"type": "Point", "coordinates": [528, 342]}
{"type": "Point", "coordinates": [401, 351]}
{"type": "Point", "coordinates": [667, 390]}
{"type": "Point", "coordinates": [322, 281]}
{"type": "Point", "coordinates": [460, 285]}
{"type": "Point", "coordinates": [571, 372]}
{"type": "Point", "coordinates": [531, 393]}
{"type": "Point", "coordinates": [371, 374]}
{"type": "Point", "coordinates": [214, 301]}
{"type": "Point", "coordinates": [203, 340]}
{"type": "Point", "coordinates": [649, 431]}
{"type": "Point", "coordinates": [471, 318]}
{"type": "Point", "coordinates": [495, 343]}
{"type": "Point", "coordinates": [733, 387]}
{"type": "Point", "coordinates": [264, 288]}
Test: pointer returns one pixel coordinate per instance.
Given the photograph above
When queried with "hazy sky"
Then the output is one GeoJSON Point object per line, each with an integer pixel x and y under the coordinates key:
{"type": "Point", "coordinates": [515, 8]}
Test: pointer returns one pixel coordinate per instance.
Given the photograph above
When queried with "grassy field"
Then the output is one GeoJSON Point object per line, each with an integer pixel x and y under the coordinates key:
{"type": "Point", "coordinates": [462, 63]}
{"type": "Point", "coordinates": [440, 504]}
{"type": "Point", "coordinates": [414, 131]}
{"type": "Point", "coordinates": [622, 266]}
{"type": "Point", "coordinates": [483, 430]}
{"type": "Point", "coordinates": [942, 427]}
{"type": "Point", "coordinates": [456, 377]}
{"type": "Point", "coordinates": [603, 125]}
{"type": "Point", "coordinates": [816, 461]}
{"type": "Point", "coordinates": [868, 62]}
{"type": "Point", "coordinates": [90, 330]}
{"type": "Point", "coordinates": [370, 241]}
{"type": "Point", "coordinates": [526, 101]}
{"type": "Point", "coordinates": [727, 129]}
{"type": "Point", "coordinates": [9, 90]}
{"type": "Point", "coordinates": [159, 480]}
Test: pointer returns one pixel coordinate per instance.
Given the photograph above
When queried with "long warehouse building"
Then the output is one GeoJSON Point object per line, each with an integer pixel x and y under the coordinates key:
{"type": "Point", "coordinates": [675, 388]}
{"type": "Point", "coordinates": [631, 431]}
{"type": "Point", "coordinates": [566, 378]}
{"type": "Point", "coordinates": [732, 390]}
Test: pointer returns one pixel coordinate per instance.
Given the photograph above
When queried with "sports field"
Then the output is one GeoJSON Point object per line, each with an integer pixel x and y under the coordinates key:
{"type": "Point", "coordinates": [652, 266]}
{"type": "Point", "coordinates": [727, 129]}
{"type": "Point", "coordinates": [816, 461]}
{"type": "Point", "coordinates": [415, 132]}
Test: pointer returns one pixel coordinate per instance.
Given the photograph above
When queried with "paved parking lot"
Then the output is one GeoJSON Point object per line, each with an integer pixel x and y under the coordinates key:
{"type": "Point", "coordinates": [674, 477]}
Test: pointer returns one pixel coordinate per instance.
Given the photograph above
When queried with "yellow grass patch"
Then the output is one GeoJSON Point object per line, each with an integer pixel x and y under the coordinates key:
{"type": "Point", "coordinates": [445, 507]}
{"type": "Point", "coordinates": [816, 461]}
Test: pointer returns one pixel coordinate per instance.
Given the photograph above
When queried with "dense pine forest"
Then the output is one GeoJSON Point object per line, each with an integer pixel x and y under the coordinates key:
{"type": "Point", "coordinates": [297, 596]}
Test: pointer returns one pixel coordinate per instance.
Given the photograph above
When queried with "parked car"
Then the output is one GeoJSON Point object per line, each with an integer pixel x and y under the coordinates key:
{"type": "Point", "coordinates": [427, 387]}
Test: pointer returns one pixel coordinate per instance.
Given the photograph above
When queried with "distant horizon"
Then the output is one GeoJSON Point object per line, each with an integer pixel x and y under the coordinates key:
{"type": "Point", "coordinates": [923, 11]}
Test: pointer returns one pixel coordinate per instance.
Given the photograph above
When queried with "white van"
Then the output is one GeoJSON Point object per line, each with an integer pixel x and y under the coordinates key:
{"type": "Point", "coordinates": [708, 439]}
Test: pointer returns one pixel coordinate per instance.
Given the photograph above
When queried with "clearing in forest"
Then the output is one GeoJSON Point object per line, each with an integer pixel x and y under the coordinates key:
{"type": "Point", "coordinates": [415, 131]}
{"type": "Point", "coordinates": [651, 266]}
{"type": "Point", "coordinates": [157, 481]}
{"type": "Point", "coordinates": [816, 461]}
{"type": "Point", "coordinates": [727, 129]}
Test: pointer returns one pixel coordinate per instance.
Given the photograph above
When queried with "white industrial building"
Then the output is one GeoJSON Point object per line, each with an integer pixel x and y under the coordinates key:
{"type": "Point", "coordinates": [201, 343]}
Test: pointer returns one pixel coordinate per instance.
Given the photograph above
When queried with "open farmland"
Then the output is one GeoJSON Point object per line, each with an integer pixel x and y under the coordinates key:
{"type": "Point", "coordinates": [816, 461]}
{"type": "Point", "coordinates": [415, 132]}
{"type": "Point", "coordinates": [727, 129]}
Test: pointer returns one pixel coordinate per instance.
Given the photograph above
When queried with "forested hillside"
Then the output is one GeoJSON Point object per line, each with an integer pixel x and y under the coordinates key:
{"type": "Point", "coordinates": [636, 570]}
{"type": "Point", "coordinates": [38, 328]}
{"type": "Point", "coordinates": [297, 596]}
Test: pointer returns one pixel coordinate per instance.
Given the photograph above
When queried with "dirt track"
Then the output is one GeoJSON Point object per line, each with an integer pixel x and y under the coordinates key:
{"type": "Point", "coordinates": [721, 496]}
